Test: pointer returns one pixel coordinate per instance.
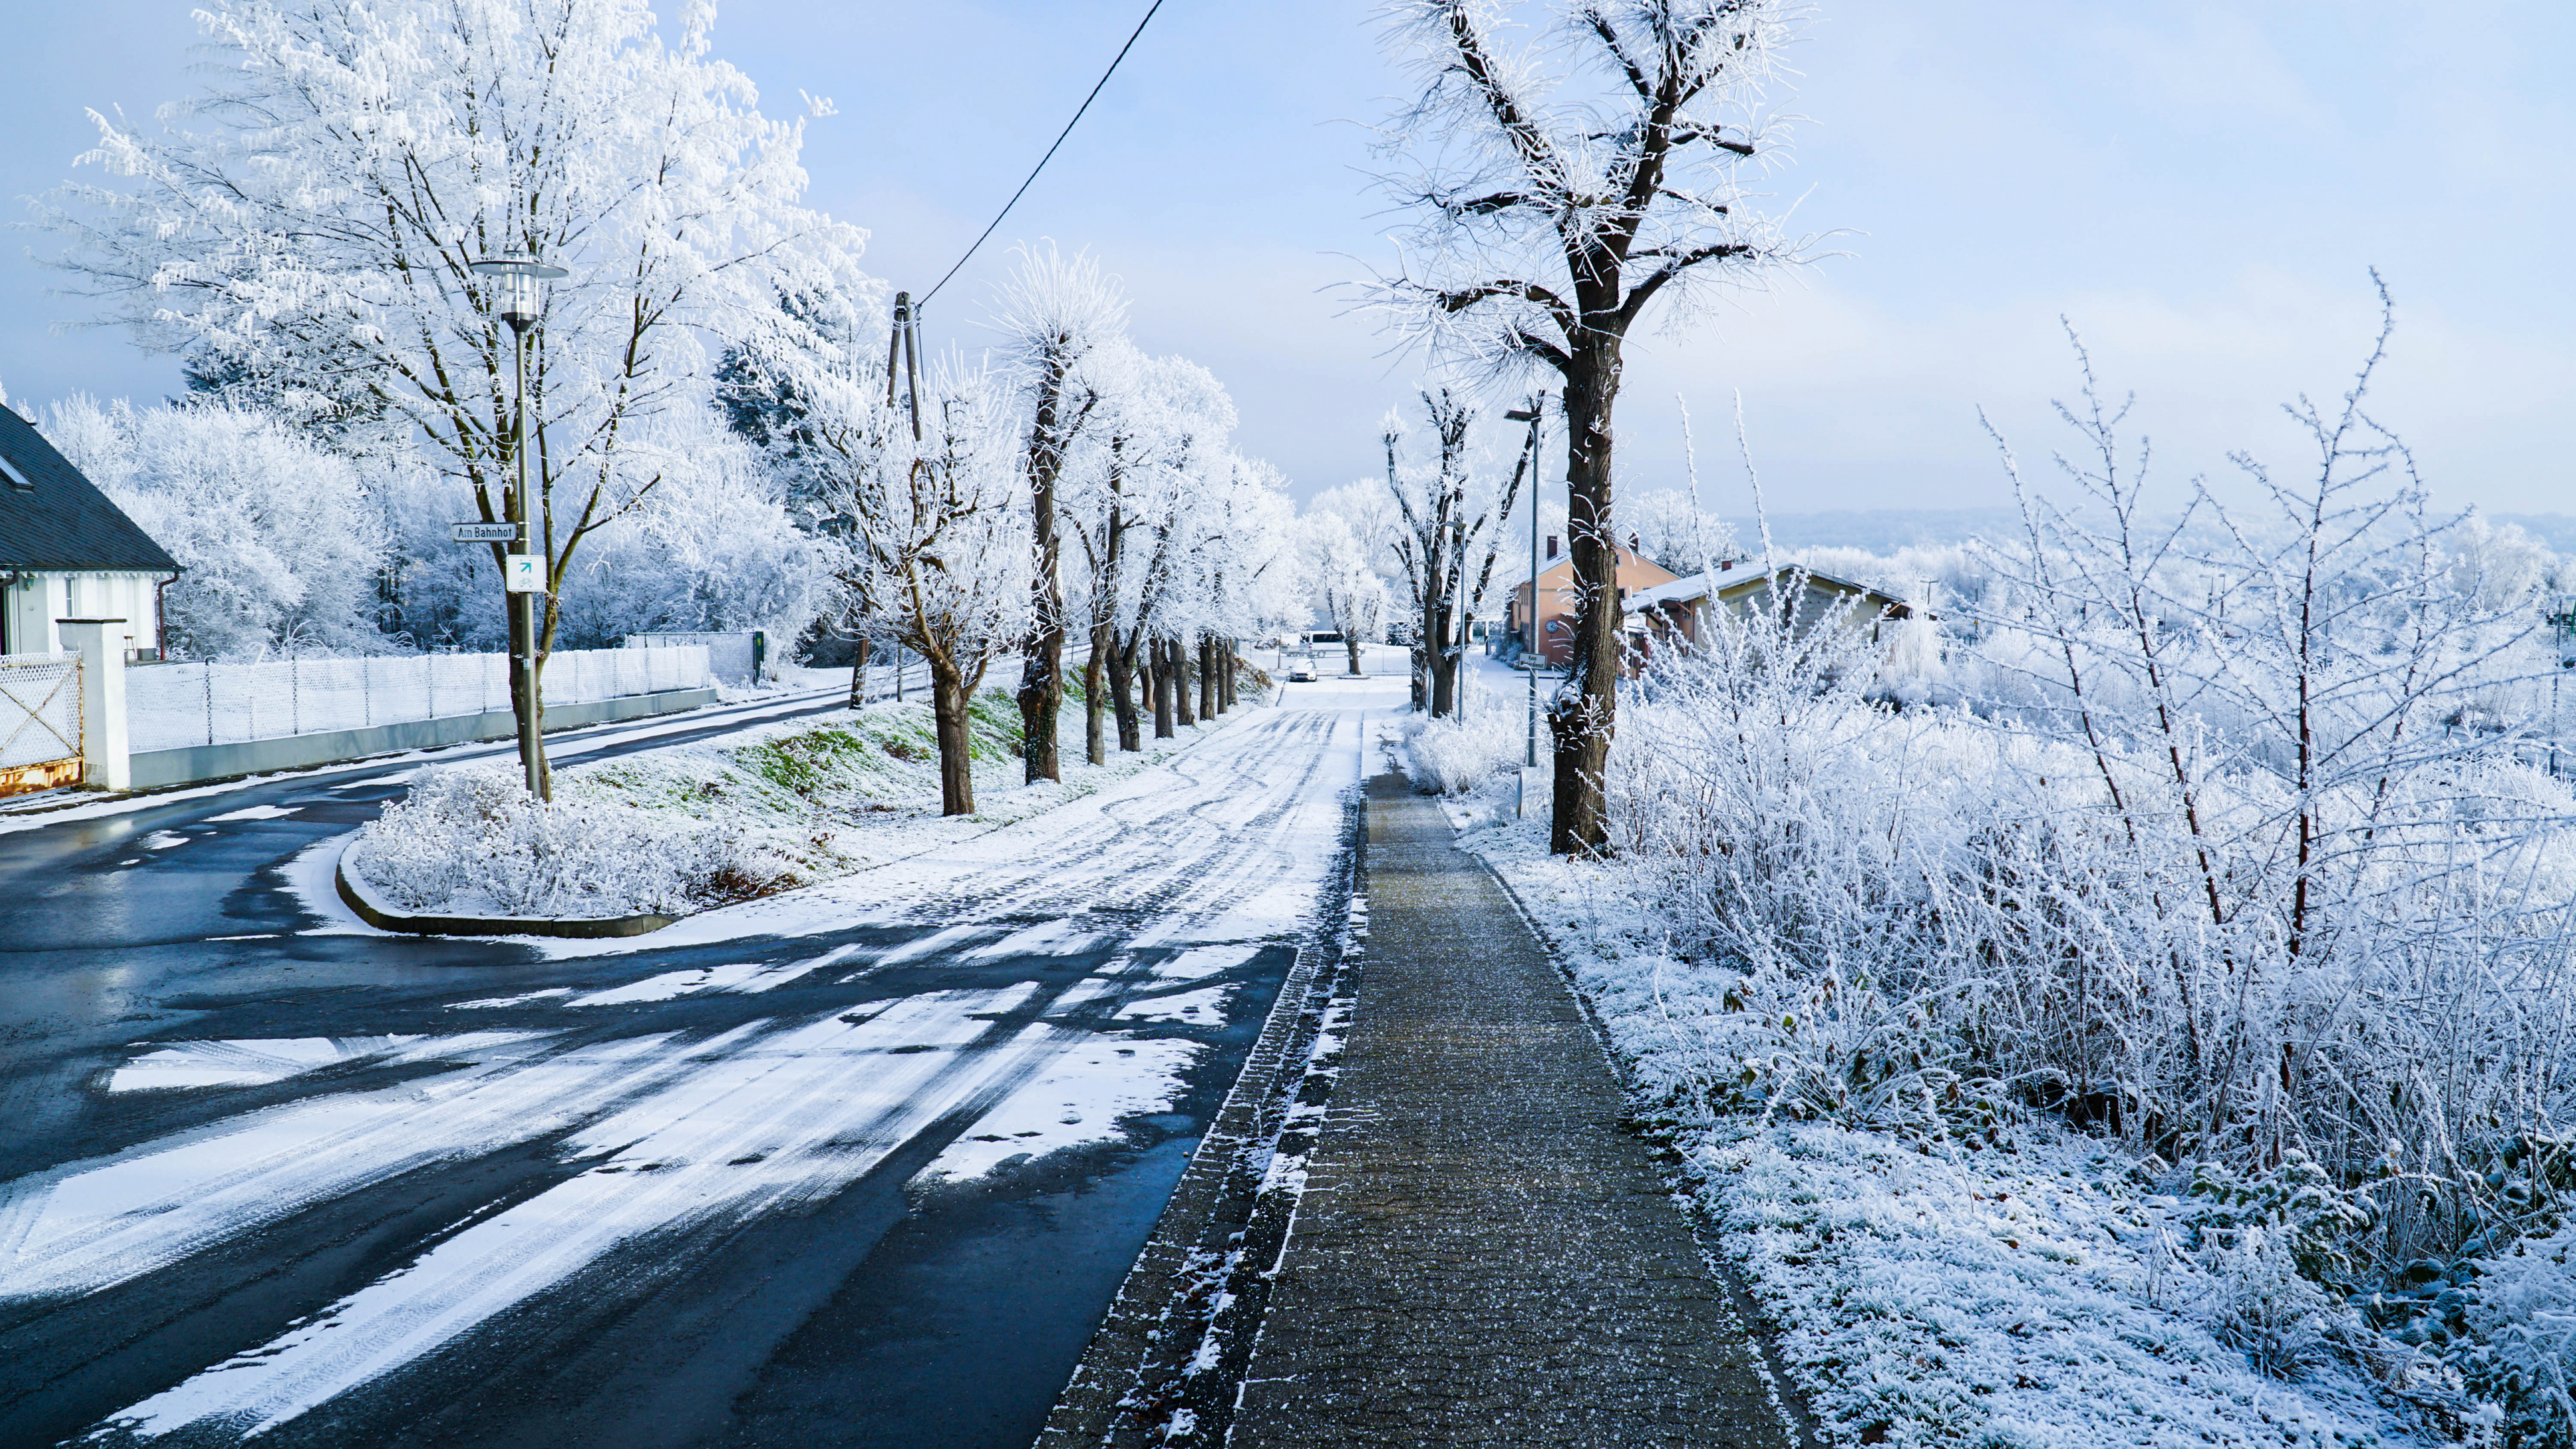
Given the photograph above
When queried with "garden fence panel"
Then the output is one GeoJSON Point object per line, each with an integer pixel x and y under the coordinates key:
{"type": "Point", "coordinates": [40, 702]}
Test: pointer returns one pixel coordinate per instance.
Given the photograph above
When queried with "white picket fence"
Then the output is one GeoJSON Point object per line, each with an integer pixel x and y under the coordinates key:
{"type": "Point", "coordinates": [39, 708]}
{"type": "Point", "coordinates": [169, 706]}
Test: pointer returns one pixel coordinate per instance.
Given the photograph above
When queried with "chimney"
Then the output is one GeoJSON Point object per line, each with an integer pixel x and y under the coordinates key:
{"type": "Point", "coordinates": [1551, 545]}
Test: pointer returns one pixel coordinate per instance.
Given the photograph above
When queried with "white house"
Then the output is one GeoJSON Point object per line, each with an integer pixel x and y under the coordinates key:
{"type": "Point", "coordinates": [68, 553]}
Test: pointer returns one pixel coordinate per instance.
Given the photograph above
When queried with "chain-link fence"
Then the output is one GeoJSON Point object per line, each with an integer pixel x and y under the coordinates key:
{"type": "Point", "coordinates": [40, 708]}
{"type": "Point", "coordinates": [170, 706]}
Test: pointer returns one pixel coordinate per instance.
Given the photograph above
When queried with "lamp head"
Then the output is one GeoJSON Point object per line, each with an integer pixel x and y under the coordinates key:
{"type": "Point", "coordinates": [520, 297]}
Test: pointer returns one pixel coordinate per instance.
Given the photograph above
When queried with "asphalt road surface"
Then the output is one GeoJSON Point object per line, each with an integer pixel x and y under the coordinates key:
{"type": "Point", "coordinates": [863, 1164]}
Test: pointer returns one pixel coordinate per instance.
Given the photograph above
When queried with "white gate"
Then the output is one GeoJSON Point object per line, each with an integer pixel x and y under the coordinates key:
{"type": "Point", "coordinates": [40, 721]}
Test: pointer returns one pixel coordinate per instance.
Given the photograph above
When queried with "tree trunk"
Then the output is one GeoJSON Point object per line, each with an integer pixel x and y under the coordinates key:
{"type": "Point", "coordinates": [1122, 694]}
{"type": "Point", "coordinates": [948, 694]}
{"type": "Point", "coordinates": [1179, 653]}
{"type": "Point", "coordinates": [1163, 690]}
{"type": "Point", "coordinates": [1042, 666]}
{"type": "Point", "coordinates": [1421, 680]}
{"type": "Point", "coordinates": [1226, 686]}
{"type": "Point", "coordinates": [859, 672]}
{"type": "Point", "coordinates": [1444, 670]}
{"type": "Point", "coordinates": [1095, 745]}
{"type": "Point", "coordinates": [1585, 711]}
{"type": "Point", "coordinates": [1210, 706]}
{"type": "Point", "coordinates": [1351, 646]}
{"type": "Point", "coordinates": [527, 688]}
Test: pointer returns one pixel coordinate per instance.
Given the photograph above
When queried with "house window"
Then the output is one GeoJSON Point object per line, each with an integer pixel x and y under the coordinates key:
{"type": "Point", "coordinates": [17, 477]}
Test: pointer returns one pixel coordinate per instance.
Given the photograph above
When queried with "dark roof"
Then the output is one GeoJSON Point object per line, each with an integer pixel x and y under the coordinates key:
{"type": "Point", "coordinates": [64, 523]}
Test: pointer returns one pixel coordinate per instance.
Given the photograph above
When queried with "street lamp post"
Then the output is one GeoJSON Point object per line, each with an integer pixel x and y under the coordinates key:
{"type": "Point", "coordinates": [1452, 621]}
{"type": "Point", "coordinates": [523, 571]}
{"type": "Point", "coordinates": [1532, 415]}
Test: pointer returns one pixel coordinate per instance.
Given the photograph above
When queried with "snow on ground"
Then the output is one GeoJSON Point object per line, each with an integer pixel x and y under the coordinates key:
{"type": "Point", "coordinates": [2000, 1298]}
{"type": "Point", "coordinates": [1080, 1098]}
{"type": "Point", "coordinates": [696, 825]}
{"type": "Point", "coordinates": [1165, 875]}
{"type": "Point", "coordinates": [1192, 1006]}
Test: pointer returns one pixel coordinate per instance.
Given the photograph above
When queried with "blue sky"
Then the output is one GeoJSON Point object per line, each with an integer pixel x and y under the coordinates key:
{"type": "Point", "coordinates": [2202, 188]}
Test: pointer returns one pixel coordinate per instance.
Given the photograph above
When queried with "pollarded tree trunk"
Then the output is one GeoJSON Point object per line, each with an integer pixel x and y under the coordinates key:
{"type": "Point", "coordinates": [1163, 690]}
{"type": "Point", "coordinates": [1095, 744]}
{"type": "Point", "coordinates": [1122, 693]}
{"type": "Point", "coordinates": [949, 693]}
{"type": "Point", "coordinates": [1584, 712]}
{"type": "Point", "coordinates": [1179, 654]}
{"type": "Point", "coordinates": [1444, 670]}
{"type": "Point", "coordinates": [1042, 669]}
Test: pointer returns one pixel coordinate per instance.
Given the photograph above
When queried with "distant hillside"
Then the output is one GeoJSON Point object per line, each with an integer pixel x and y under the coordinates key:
{"type": "Point", "coordinates": [1886, 530]}
{"type": "Point", "coordinates": [2555, 531]}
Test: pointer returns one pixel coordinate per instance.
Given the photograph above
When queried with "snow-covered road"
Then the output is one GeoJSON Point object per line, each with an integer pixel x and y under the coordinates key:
{"type": "Point", "coordinates": [858, 1164]}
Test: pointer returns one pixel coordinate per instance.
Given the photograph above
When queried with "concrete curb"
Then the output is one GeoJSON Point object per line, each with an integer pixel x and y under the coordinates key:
{"type": "Point", "coordinates": [1178, 1336]}
{"type": "Point", "coordinates": [374, 914]}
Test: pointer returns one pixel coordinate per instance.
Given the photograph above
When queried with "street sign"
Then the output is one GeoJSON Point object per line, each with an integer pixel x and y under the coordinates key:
{"type": "Point", "coordinates": [483, 532]}
{"type": "Point", "coordinates": [523, 573]}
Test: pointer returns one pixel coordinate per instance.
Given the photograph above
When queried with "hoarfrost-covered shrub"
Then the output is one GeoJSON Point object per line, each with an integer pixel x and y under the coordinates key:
{"type": "Point", "coordinates": [1454, 756]}
{"type": "Point", "coordinates": [469, 841]}
{"type": "Point", "coordinates": [2517, 1325]}
{"type": "Point", "coordinates": [2266, 1247]}
{"type": "Point", "coordinates": [2237, 859]}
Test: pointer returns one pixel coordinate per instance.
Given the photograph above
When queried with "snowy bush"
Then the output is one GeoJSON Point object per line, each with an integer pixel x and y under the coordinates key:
{"type": "Point", "coordinates": [2236, 862]}
{"type": "Point", "coordinates": [1454, 756]}
{"type": "Point", "coordinates": [470, 841]}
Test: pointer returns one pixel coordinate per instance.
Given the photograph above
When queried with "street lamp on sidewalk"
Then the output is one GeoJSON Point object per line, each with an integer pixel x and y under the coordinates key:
{"type": "Point", "coordinates": [523, 572]}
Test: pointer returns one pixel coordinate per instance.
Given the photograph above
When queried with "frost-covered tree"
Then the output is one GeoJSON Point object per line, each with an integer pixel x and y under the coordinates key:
{"type": "Point", "coordinates": [279, 541]}
{"type": "Point", "coordinates": [714, 549]}
{"type": "Point", "coordinates": [1450, 513]}
{"type": "Point", "coordinates": [1559, 188]}
{"type": "Point", "coordinates": [936, 546]}
{"type": "Point", "coordinates": [1054, 312]}
{"type": "Point", "coordinates": [1351, 594]}
{"type": "Point", "coordinates": [1665, 526]}
{"type": "Point", "coordinates": [305, 229]}
{"type": "Point", "coordinates": [1150, 511]}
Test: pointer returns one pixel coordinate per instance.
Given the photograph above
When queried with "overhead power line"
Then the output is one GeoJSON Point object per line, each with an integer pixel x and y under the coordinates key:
{"type": "Point", "coordinates": [1050, 151]}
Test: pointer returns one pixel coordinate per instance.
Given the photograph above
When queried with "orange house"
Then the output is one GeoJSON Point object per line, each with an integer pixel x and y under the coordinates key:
{"type": "Point", "coordinates": [1556, 601]}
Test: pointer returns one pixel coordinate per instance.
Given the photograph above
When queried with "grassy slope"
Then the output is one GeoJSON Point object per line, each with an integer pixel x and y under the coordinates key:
{"type": "Point", "coordinates": [822, 798]}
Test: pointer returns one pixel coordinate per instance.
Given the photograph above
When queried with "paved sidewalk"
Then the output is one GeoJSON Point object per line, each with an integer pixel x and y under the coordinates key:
{"type": "Point", "coordinates": [1483, 1255]}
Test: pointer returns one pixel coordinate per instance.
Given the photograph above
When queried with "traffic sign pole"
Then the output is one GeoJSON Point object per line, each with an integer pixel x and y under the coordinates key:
{"type": "Point", "coordinates": [523, 599]}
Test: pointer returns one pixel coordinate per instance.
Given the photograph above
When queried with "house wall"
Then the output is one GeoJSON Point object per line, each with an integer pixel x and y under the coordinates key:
{"type": "Point", "coordinates": [1557, 601]}
{"type": "Point", "coordinates": [30, 611]}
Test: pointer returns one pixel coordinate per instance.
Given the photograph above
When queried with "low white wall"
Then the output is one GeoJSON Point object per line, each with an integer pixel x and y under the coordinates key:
{"type": "Point", "coordinates": [178, 706]}
{"type": "Point", "coordinates": [192, 763]}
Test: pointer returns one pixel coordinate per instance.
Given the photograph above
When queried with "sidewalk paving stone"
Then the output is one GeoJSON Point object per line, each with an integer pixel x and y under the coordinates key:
{"type": "Point", "coordinates": [1484, 1254]}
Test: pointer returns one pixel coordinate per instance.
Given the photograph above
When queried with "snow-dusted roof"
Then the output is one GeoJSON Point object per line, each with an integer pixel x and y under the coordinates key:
{"type": "Point", "coordinates": [54, 519]}
{"type": "Point", "coordinates": [1731, 582]}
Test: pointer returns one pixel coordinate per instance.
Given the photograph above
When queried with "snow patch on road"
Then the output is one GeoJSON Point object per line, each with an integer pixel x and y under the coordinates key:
{"type": "Point", "coordinates": [259, 1061]}
{"type": "Point", "coordinates": [1081, 1097]}
{"type": "Point", "coordinates": [256, 812]}
{"type": "Point", "coordinates": [1197, 1008]}
{"type": "Point", "coordinates": [520, 1000]}
{"type": "Point", "coordinates": [1200, 961]}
